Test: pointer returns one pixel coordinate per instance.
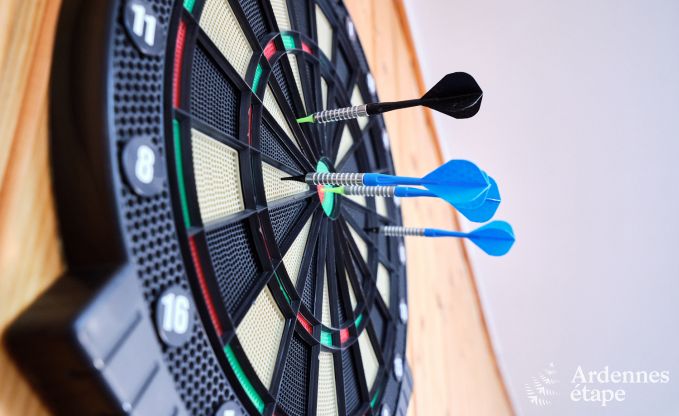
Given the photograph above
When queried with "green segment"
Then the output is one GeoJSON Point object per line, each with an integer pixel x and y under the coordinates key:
{"type": "Point", "coordinates": [326, 338]}
{"type": "Point", "coordinates": [288, 41]}
{"type": "Point", "coordinates": [358, 320]}
{"type": "Point", "coordinates": [280, 285]}
{"type": "Point", "coordinates": [258, 76]}
{"type": "Point", "coordinates": [328, 198]}
{"type": "Point", "coordinates": [373, 402]}
{"type": "Point", "coordinates": [307, 119]}
{"type": "Point", "coordinates": [188, 5]}
{"type": "Point", "coordinates": [180, 173]}
{"type": "Point", "coordinates": [243, 379]}
{"type": "Point", "coordinates": [337, 190]}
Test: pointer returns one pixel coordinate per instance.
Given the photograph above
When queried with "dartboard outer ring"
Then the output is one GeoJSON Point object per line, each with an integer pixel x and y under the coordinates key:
{"type": "Point", "coordinates": [138, 240]}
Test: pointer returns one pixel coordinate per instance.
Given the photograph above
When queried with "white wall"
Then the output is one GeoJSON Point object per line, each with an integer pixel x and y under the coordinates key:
{"type": "Point", "coordinates": [580, 127]}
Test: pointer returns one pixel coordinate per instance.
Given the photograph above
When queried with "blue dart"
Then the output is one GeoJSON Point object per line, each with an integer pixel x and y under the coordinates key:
{"type": "Point", "coordinates": [456, 181]}
{"type": "Point", "coordinates": [479, 214]}
{"type": "Point", "coordinates": [494, 238]}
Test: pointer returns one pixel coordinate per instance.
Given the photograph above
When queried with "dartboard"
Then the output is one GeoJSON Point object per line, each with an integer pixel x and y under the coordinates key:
{"type": "Point", "coordinates": [199, 281]}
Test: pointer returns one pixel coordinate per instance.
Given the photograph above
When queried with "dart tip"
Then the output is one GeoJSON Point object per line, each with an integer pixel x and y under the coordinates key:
{"type": "Point", "coordinates": [308, 119]}
{"type": "Point", "coordinates": [336, 190]}
{"type": "Point", "coordinates": [372, 230]}
{"type": "Point", "coordinates": [298, 178]}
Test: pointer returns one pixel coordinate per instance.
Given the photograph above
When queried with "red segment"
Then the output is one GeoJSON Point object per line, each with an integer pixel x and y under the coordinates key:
{"type": "Point", "coordinates": [203, 287]}
{"type": "Point", "coordinates": [344, 335]}
{"type": "Point", "coordinates": [269, 50]}
{"type": "Point", "coordinates": [305, 323]}
{"type": "Point", "coordinates": [266, 247]}
{"type": "Point", "coordinates": [306, 48]}
{"type": "Point", "coordinates": [321, 194]}
{"type": "Point", "coordinates": [178, 57]}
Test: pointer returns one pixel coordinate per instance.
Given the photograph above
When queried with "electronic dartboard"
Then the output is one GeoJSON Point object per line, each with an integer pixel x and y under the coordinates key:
{"type": "Point", "coordinates": [199, 282]}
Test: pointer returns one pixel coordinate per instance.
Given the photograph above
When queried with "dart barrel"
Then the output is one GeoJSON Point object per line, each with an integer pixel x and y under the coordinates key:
{"type": "Point", "coordinates": [340, 114]}
{"type": "Point", "coordinates": [395, 231]}
{"type": "Point", "coordinates": [337, 179]}
{"type": "Point", "coordinates": [371, 191]}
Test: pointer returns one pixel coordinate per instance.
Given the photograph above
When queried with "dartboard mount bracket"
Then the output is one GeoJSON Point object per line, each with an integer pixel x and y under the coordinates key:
{"type": "Point", "coordinates": [145, 316]}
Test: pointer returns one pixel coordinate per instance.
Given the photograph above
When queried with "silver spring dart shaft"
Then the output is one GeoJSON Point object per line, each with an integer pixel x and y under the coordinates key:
{"type": "Point", "coordinates": [333, 178]}
{"type": "Point", "coordinates": [371, 191]}
{"type": "Point", "coordinates": [340, 114]}
{"type": "Point", "coordinates": [397, 231]}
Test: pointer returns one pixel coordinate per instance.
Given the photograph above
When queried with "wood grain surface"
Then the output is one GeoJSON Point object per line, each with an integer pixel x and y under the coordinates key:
{"type": "Point", "coordinates": [448, 346]}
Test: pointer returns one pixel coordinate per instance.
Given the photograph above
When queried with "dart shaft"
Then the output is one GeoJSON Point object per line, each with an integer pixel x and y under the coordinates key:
{"type": "Point", "coordinates": [340, 114]}
{"type": "Point", "coordinates": [398, 231]}
{"type": "Point", "coordinates": [387, 191]}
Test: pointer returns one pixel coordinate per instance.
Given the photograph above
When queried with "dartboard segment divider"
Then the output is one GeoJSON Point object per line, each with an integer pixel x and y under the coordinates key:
{"type": "Point", "coordinates": [243, 293]}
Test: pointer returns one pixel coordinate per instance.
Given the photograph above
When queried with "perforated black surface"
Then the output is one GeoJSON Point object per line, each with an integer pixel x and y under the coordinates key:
{"type": "Point", "coordinates": [283, 82]}
{"type": "Point", "coordinates": [213, 95]}
{"type": "Point", "coordinates": [253, 12]}
{"type": "Point", "coordinates": [294, 396]}
{"type": "Point", "coordinates": [234, 263]}
{"type": "Point", "coordinates": [271, 147]}
{"type": "Point", "coordinates": [351, 388]}
{"type": "Point", "coordinates": [284, 217]}
{"type": "Point", "coordinates": [309, 292]}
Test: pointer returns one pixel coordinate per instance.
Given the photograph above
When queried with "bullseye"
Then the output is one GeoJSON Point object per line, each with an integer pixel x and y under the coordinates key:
{"type": "Point", "coordinates": [327, 199]}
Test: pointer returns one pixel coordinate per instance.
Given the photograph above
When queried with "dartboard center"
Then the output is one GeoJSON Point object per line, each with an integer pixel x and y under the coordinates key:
{"type": "Point", "coordinates": [327, 199]}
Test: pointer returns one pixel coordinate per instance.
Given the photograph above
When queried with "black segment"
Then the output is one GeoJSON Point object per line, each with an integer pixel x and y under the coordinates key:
{"type": "Point", "coordinates": [213, 95]}
{"type": "Point", "coordinates": [234, 263]}
{"type": "Point", "coordinates": [293, 395]}
{"type": "Point", "coordinates": [271, 147]}
{"type": "Point", "coordinates": [253, 12]}
{"type": "Point", "coordinates": [284, 217]}
{"type": "Point", "coordinates": [352, 398]}
{"type": "Point", "coordinates": [309, 292]}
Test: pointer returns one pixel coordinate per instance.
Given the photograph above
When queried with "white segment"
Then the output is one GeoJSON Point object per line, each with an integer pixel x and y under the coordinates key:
{"type": "Point", "coordinates": [326, 319]}
{"type": "Point", "coordinates": [298, 77]}
{"type": "Point", "coordinates": [345, 144]}
{"type": "Point", "coordinates": [326, 401]}
{"type": "Point", "coordinates": [325, 33]}
{"type": "Point", "coordinates": [370, 81]}
{"type": "Point", "coordinates": [360, 243]}
{"type": "Point", "coordinates": [402, 253]}
{"type": "Point", "coordinates": [385, 140]}
{"type": "Point", "coordinates": [324, 93]}
{"type": "Point", "coordinates": [369, 358]}
{"type": "Point", "coordinates": [383, 282]}
{"type": "Point", "coordinates": [260, 335]}
{"type": "Point", "coordinates": [280, 11]}
{"type": "Point", "coordinates": [274, 109]}
{"type": "Point", "coordinates": [293, 258]}
{"type": "Point", "coordinates": [357, 99]}
{"type": "Point", "coordinates": [352, 294]}
{"type": "Point", "coordinates": [221, 25]}
{"type": "Point", "coordinates": [275, 188]}
{"type": "Point", "coordinates": [381, 206]}
{"type": "Point", "coordinates": [359, 199]}
{"type": "Point", "coordinates": [217, 175]}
